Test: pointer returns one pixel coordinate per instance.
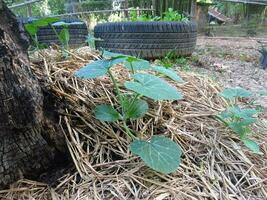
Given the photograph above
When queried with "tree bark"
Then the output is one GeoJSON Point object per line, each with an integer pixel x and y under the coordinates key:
{"type": "Point", "coordinates": [28, 140]}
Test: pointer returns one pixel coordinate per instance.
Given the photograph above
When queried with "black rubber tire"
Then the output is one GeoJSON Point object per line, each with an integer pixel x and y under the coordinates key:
{"type": "Point", "coordinates": [46, 35]}
{"type": "Point", "coordinates": [147, 39]}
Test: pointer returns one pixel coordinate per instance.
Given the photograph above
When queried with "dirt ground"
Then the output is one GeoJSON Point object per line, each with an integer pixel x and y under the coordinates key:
{"type": "Point", "coordinates": [233, 62]}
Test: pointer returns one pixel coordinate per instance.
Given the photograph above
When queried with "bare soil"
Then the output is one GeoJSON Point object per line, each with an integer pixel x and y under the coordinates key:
{"type": "Point", "coordinates": [233, 62]}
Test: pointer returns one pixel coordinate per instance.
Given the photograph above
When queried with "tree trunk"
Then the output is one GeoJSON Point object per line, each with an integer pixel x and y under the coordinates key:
{"type": "Point", "coordinates": [27, 135]}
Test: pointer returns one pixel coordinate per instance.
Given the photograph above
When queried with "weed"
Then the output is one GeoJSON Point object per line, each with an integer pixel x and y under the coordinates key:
{"type": "Point", "coordinates": [159, 153]}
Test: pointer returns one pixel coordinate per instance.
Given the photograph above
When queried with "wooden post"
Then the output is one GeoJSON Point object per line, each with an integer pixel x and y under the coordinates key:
{"type": "Point", "coordinates": [193, 9]}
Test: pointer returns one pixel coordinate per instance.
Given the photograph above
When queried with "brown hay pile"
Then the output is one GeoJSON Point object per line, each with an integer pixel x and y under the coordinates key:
{"type": "Point", "coordinates": [215, 164]}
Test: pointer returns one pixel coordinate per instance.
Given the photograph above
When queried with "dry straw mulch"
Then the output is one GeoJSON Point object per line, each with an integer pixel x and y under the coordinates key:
{"type": "Point", "coordinates": [215, 164]}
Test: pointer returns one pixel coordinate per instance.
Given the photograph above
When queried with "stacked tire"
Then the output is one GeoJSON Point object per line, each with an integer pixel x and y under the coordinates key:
{"type": "Point", "coordinates": [147, 39]}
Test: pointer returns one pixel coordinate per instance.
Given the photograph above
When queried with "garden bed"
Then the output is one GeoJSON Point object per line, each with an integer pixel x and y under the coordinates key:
{"type": "Point", "coordinates": [215, 164]}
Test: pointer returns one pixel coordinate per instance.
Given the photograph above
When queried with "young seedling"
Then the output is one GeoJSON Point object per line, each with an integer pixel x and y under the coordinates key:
{"type": "Point", "coordinates": [240, 119]}
{"type": "Point", "coordinates": [159, 153]}
{"type": "Point", "coordinates": [32, 28]}
{"type": "Point", "coordinates": [64, 35]}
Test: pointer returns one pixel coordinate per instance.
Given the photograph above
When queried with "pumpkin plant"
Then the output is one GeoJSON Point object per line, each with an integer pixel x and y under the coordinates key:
{"type": "Point", "coordinates": [33, 27]}
{"type": "Point", "coordinates": [64, 35]}
{"type": "Point", "coordinates": [159, 153]}
{"type": "Point", "coordinates": [240, 119]}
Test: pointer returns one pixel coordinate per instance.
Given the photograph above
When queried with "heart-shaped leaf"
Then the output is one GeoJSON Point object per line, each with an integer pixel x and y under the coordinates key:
{"type": "Point", "coordinates": [106, 113]}
{"type": "Point", "coordinates": [134, 108]}
{"type": "Point", "coordinates": [93, 70]}
{"type": "Point", "coordinates": [137, 64]}
{"type": "Point", "coordinates": [31, 29]}
{"type": "Point", "coordinates": [45, 21]}
{"type": "Point", "coordinates": [66, 24]}
{"type": "Point", "coordinates": [236, 111]}
{"type": "Point", "coordinates": [160, 153]}
{"type": "Point", "coordinates": [153, 87]}
{"type": "Point", "coordinates": [232, 93]}
{"type": "Point", "coordinates": [116, 58]}
{"type": "Point", "coordinates": [110, 55]}
{"type": "Point", "coordinates": [263, 93]}
{"type": "Point", "coordinates": [168, 72]}
{"type": "Point", "coordinates": [252, 145]}
{"type": "Point", "coordinates": [239, 128]}
{"type": "Point", "coordinates": [64, 36]}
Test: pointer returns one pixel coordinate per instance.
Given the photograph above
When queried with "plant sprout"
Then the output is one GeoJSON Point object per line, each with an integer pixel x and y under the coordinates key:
{"type": "Point", "coordinates": [240, 119]}
{"type": "Point", "coordinates": [33, 27]}
{"type": "Point", "coordinates": [159, 153]}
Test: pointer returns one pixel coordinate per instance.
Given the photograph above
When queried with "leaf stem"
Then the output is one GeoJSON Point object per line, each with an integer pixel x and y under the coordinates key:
{"type": "Point", "coordinates": [55, 31]}
{"type": "Point", "coordinates": [131, 64]}
{"type": "Point", "coordinates": [116, 86]}
{"type": "Point", "coordinates": [134, 99]}
{"type": "Point", "coordinates": [128, 130]}
{"type": "Point", "coordinates": [36, 42]}
{"type": "Point", "coordinates": [129, 133]}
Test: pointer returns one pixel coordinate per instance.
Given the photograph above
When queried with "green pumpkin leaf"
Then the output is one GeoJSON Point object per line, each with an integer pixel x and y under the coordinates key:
{"type": "Point", "coordinates": [114, 58]}
{"type": "Point", "coordinates": [118, 60]}
{"type": "Point", "coordinates": [132, 59]}
{"type": "Point", "coordinates": [106, 113]}
{"type": "Point", "coordinates": [137, 64]}
{"type": "Point", "coordinates": [93, 70]}
{"type": "Point", "coordinates": [160, 153]}
{"type": "Point", "coordinates": [31, 29]}
{"type": "Point", "coordinates": [66, 24]}
{"type": "Point", "coordinates": [239, 128]}
{"type": "Point", "coordinates": [168, 72]}
{"type": "Point", "coordinates": [64, 36]}
{"type": "Point", "coordinates": [153, 87]}
{"type": "Point", "coordinates": [110, 55]}
{"type": "Point", "coordinates": [252, 145]}
{"type": "Point", "coordinates": [232, 93]}
{"type": "Point", "coordinates": [45, 21]}
{"type": "Point", "coordinates": [262, 93]}
{"type": "Point", "coordinates": [134, 108]}
{"type": "Point", "coordinates": [237, 112]}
